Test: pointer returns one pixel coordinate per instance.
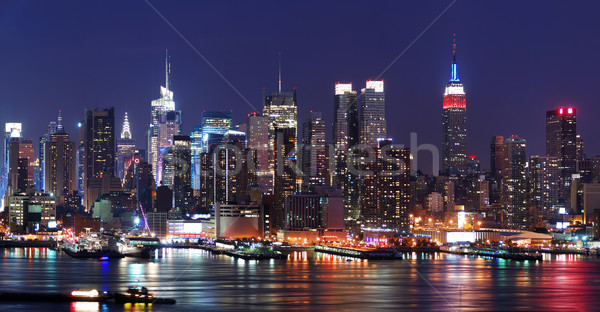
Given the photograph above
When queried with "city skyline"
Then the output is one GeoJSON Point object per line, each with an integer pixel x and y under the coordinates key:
{"type": "Point", "coordinates": [299, 155]}
{"type": "Point", "coordinates": [413, 84]}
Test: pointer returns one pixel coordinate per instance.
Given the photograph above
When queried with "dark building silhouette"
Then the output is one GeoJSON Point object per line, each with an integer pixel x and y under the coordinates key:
{"type": "Point", "coordinates": [99, 142]}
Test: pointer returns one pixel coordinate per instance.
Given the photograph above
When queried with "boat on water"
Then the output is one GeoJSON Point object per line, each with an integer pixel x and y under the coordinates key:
{"type": "Point", "coordinates": [133, 295]}
{"type": "Point", "coordinates": [140, 295]}
{"type": "Point", "coordinates": [139, 246]}
{"type": "Point", "coordinates": [91, 249]}
{"type": "Point", "coordinates": [74, 296]}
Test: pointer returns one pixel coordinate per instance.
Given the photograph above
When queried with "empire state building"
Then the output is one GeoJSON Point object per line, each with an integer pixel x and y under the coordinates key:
{"type": "Point", "coordinates": [454, 124]}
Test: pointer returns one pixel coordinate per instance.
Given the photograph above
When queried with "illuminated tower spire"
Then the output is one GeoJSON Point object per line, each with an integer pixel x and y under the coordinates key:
{"type": "Point", "coordinates": [279, 72]}
{"type": "Point", "coordinates": [59, 126]}
{"type": "Point", "coordinates": [126, 132]}
{"type": "Point", "coordinates": [453, 74]}
{"type": "Point", "coordinates": [167, 69]}
{"type": "Point", "coordinates": [454, 123]}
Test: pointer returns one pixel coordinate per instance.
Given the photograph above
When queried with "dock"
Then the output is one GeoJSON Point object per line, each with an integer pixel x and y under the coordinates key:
{"type": "Point", "coordinates": [493, 252]}
{"type": "Point", "coordinates": [362, 253]}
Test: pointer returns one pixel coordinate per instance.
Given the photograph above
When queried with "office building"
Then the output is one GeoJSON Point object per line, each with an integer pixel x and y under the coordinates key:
{"type": "Point", "coordinates": [125, 149]}
{"type": "Point", "coordinates": [315, 164]}
{"type": "Point", "coordinates": [182, 176]}
{"type": "Point", "coordinates": [99, 144]}
{"type": "Point", "coordinates": [158, 115]}
{"type": "Point", "coordinates": [346, 136]}
{"type": "Point", "coordinates": [497, 157]}
{"type": "Point", "coordinates": [257, 138]}
{"type": "Point", "coordinates": [544, 182]}
{"type": "Point", "coordinates": [454, 123]}
{"type": "Point", "coordinates": [385, 187]}
{"type": "Point", "coordinates": [561, 142]}
{"type": "Point", "coordinates": [514, 182]}
{"type": "Point", "coordinates": [60, 164]}
{"type": "Point", "coordinates": [372, 113]}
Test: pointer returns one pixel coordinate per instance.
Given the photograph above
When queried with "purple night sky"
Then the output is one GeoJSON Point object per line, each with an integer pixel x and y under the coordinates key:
{"type": "Point", "coordinates": [516, 59]}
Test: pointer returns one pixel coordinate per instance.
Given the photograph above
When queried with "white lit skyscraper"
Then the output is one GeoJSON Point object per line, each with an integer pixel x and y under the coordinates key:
{"type": "Point", "coordinates": [345, 136]}
{"type": "Point", "coordinates": [159, 110]}
{"type": "Point", "coordinates": [281, 111]}
{"type": "Point", "coordinates": [372, 113]}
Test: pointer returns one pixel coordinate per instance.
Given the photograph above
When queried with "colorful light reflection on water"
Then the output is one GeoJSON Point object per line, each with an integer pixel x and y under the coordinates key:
{"type": "Point", "coordinates": [310, 281]}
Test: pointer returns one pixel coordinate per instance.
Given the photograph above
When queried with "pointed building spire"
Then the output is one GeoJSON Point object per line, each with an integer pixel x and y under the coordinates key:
{"type": "Point", "coordinates": [126, 132]}
{"type": "Point", "coordinates": [167, 69]}
{"type": "Point", "coordinates": [454, 48]}
{"type": "Point", "coordinates": [59, 126]}
{"type": "Point", "coordinates": [453, 73]}
{"type": "Point", "coordinates": [279, 72]}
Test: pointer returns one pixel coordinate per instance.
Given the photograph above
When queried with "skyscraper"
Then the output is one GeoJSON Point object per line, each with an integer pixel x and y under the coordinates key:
{"type": "Point", "coordinates": [454, 123]}
{"type": "Point", "coordinates": [125, 149]}
{"type": "Point", "coordinates": [215, 126]}
{"type": "Point", "coordinates": [182, 177]}
{"type": "Point", "coordinates": [81, 159]}
{"type": "Point", "coordinates": [158, 114]}
{"type": "Point", "coordinates": [514, 182]}
{"type": "Point", "coordinates": [20, 170]}
{"type": "Point", "coordinates": [196, 153]}
{"type": "Point", "coordinates": [211, 132]}
{"type": "Point", "coordinates": [168, 128]}
{"type": "Point", "coordinates": [285, 174]}
{"type": "Point", "coordinates": [281, 110]}
{"type": "Point", "coordinates": [579, 144]}
{"type": "Point", "coordinates": [544, 180]}
{"type": "Point", "coordinates": [561, 142]}
{"type": "Point", "coordinates": [314, 150]}
{"type": "Point", "coordinates": [257, 138]}
{"type": "Point", "coordinates": [372, 113]}
{"type": "Point", "coordinates": [60, 163]}
{"type": "Point", "coordinates": [145, 184]}
{"type": "Point", "coordinates": [345, 136]}
{"type": "Point", "coordinates": [497, 156]}
{"type": "Point", "coordinates": [99, 142]}
{"type": "Point", "coordinates": [39, 177]}
{"type": "Point", "coordinates": [385, 187]}
{"type": "Point", "coordinates": [345, 120]}
{"type": "Point", "coordinates": [12, 132]}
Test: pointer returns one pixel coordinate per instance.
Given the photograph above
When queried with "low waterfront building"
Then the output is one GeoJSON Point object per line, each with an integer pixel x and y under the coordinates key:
{"type": "Point", "coordinates": [311, 237]}
{"type": "Point", "coordinates": [157, 223]}
{"type": "Point", "coordinates": [443, 236]}
{"type": "Point", "coordinates": [185, 229]}
{"type": "Point", "coordinates": [314, 217]}
{"type": "Point", "coordinates": [29, 213]}
{"type": "Point", "coordinates": [235, 221]}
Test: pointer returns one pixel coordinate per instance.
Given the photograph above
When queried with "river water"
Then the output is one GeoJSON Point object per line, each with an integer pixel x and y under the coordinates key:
{"type": "Point", "coordinates": [309, 281]}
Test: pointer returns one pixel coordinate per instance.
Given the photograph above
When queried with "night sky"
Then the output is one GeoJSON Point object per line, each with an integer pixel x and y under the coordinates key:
{"type": "Point", "coordinates": [516, 59]}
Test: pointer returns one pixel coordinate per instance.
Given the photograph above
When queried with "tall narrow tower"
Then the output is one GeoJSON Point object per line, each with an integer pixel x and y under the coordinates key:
{"type": "Point", "coordinates": [561, 142]}
{"type": "Point", "coordinates": [281, 110]}
{"type": "Point", "coordinates": [125, 149]}
{"type": "Point", "coordinates": [372, 114]}
{"type": "Point", "coordinates": [159, 110]}
{"type": "Point", "coordinates": [345, 136]}
{"type": "Point", "coordinates": [454, 123]}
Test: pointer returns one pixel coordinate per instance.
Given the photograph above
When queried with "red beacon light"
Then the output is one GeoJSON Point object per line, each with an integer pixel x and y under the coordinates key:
{"type": "Point", "coordinates": [561, 111]}
{"type": "Point", "coordinates": [570, 110]}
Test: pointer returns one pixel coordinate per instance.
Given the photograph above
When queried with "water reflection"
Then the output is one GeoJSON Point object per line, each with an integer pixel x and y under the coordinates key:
{"type": "Point", "coordinates": [311, 281]}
